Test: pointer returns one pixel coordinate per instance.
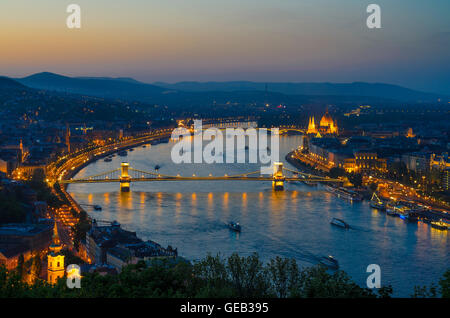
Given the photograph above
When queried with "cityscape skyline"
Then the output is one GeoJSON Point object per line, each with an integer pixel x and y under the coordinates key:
{"type": "Point", "coordinates": [311, 41]}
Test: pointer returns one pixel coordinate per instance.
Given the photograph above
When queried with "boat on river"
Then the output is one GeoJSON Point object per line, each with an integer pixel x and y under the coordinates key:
{"type": "Point", "coordinates": [108, 159]}
{"type": "Point", "coordinates": [440, 225]}
{"type": "Point", "coordinates": [343, 193]}
{"type": "Point", "coordinates": [339, 223]}
{"type": "Point", "coordinates": [329, 261]}
{"type": "Point", "coordinates": [391, 211]}
{"type": "Point", "coordinates": [234, 226]}
{"type": "Point", "coordinates": [377, 203]}
{"type": "Point", "coordinates": [122, 153]}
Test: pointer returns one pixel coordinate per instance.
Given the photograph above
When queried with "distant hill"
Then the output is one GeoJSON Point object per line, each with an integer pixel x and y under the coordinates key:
{"type": "Point", "coordinates": [378, 90]}
{"type": "Point", "coordinates": [129, 89]}
{"type": "Point", "coordinates": [8, 83]}
{"type": "Point", "coordinates": [123, 79]}
{"type": "Point", "coordinates": [120, 88]}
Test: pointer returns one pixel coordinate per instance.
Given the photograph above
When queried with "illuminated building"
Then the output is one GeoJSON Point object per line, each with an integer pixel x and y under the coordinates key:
{"type": "Point", "coordinates": [331, 153]}
{"type": "Point", "coordinates": [446, 179]}
{"type": "Point", "coordinates": [326, 126]}
{"type": "Point", "coordinates": [55, 259]}
{"type": "Point", "coordinates": [311, 126]}
{"type": "Point", "coordinates": [367, 161]}
{"type": "Point", "coordinates": [410, 134]}
{"type": "Point", "coordinates": [22, 239]}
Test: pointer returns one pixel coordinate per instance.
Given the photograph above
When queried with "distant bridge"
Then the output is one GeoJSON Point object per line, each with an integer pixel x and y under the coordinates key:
{"type": "Point", "coordinates": [125, 175]}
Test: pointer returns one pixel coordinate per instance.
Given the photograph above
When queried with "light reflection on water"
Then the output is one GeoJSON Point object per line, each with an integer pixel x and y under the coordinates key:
{"type": "Point", "coordinates": [292, 223]}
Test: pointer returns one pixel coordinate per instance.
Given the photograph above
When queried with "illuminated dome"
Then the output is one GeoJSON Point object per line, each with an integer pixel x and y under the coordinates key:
{"type": "Point", "coordinates": [326, 120]}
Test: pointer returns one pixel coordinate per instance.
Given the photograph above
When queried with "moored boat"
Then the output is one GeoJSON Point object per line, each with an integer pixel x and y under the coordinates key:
{"type": "Point", "coordinates": [377, 203]}
{"type": "Point", "coordinates": [391, 211]}
{"type": "Point", "coordinates": [440, 225]}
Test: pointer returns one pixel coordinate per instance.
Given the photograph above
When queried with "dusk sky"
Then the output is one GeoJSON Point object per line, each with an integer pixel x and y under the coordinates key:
{"type": "Point", "coordinates": [211, 40]}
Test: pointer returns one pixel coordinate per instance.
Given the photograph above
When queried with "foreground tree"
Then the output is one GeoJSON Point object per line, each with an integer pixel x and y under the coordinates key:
{"type": "Point", "coordinates": [213, 276]}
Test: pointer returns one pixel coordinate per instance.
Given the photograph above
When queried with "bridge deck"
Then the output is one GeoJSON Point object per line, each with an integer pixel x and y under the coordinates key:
{"type": "Point", "coordinates": [199, 179]}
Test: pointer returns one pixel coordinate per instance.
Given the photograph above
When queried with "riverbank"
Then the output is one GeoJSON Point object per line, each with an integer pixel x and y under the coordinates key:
{"type": "Point", "coordinates": [301, 166]}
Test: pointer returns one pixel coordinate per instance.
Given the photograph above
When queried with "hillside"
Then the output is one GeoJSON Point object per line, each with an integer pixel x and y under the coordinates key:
{"type": "Point", "coordinates": [122, 88]}
{"type": "Point", "coordinates": [379, 90]}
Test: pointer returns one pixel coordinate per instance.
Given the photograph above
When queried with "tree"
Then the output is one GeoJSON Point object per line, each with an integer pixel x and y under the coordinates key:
{"type": "Point", "coordinates": [336, 172]}
{"type": "Point", "coordinates": [213, 276]}
{"type": "Point", "coordinates": [424, 292]}
{"type": "Point", "coordinates": [285, 277]}
{"type": "Point", "coordinates": [355, 178]}
{"type": "Point", "coordinates": [20, 266]}
{"type": "Point", "coordinates": [317, 282]}
{"type": "Point", "coordinates": [247, 275]}
{"type": "Point", "coordinates": [444, 284]}
{"type": "Point", "coordinates": [373, 187]}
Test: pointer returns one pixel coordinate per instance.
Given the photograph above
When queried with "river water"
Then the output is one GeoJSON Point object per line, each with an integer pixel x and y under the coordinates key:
{"type": "Point", "coordinates": [295, 223]}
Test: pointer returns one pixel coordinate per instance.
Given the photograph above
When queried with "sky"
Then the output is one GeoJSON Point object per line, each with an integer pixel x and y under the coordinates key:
{"type": "Point", "coordinates": [212, 40]}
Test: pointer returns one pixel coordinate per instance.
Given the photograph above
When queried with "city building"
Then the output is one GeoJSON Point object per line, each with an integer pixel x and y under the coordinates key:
{"type": "Point", "coordinates": [326, 125]}
{"type": "Point", "coordinates": [55, 260]}
{"type": "Point", "coordinates": [419, 162]}
{"type": "Point", "coordinates": [23, 239]}
{"type": "Point", "coordinates": [114, 246]}
{"type": "Point", "coordinates": [355, 154]}
{"type": "Point", "coordinates": [446, 179]}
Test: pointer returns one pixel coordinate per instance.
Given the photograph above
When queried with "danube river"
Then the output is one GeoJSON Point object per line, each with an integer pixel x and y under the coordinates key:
{"type": "Point", "coordinates": [294, 223]}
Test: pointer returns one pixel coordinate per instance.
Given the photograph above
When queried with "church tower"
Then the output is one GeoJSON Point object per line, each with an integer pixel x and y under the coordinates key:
{"type": "Point", "coordinates": [311, 126]}
{"type": "Point", "coordinates": [55, 260]}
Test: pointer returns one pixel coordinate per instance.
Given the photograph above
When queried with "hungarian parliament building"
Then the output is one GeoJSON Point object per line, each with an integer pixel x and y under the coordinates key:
{"type": "Point", "coordinates": [327, 126]}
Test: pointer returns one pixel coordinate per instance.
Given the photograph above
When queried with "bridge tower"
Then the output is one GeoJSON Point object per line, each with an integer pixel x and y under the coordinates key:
{"type": "Point", "coordinates": [278, 177]}
{"type": "Point", "coordinates": [124, 177]}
